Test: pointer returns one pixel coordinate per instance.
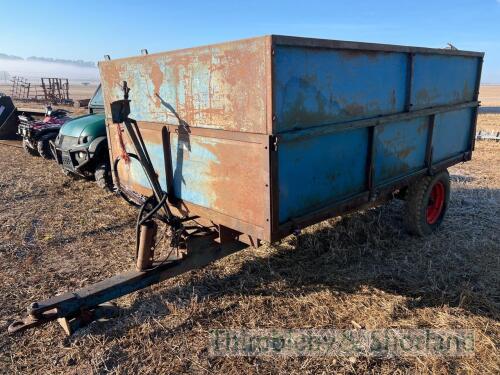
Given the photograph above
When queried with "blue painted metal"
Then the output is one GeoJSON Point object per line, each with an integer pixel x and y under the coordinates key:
{"type": "Point", "coordinates": [400, 149]}
{"type": "Point", "coordinates": [452, 132]}
{"type": "Point", "coordinates": [313, 87]}
{"type": "Point", "coordinates": [443, 80]}
{"type": "Point", "coordinates": [192, 170]}
{"type": "Point", "coordinates": [323, 88]}
{"type": "Point", "coordinates": [335, 120]}
{"type": "Point", "coordinates": [318, 170]}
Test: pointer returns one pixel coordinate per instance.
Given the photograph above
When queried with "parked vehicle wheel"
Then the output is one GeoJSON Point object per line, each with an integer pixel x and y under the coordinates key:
{"type": "Point", "coordinates": [102, 176]}
{"type": "Point", "coordinates": [28, 148]}
{"type": "Point", "coordinates": [43, 148]}
{"type": "Point", "coordinates": [426, 203]}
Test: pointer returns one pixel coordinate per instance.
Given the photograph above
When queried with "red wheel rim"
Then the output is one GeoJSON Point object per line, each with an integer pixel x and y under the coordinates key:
{"type": "Point", "coordinates": [436, 203]}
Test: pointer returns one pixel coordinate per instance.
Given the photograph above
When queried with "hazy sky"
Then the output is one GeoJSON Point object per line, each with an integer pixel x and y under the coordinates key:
{"type": "Point", "coordinates": [87, 30]}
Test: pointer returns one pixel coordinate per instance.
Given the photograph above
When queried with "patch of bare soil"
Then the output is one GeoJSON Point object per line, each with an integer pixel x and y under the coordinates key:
{"type": "Point", "coordinates": [58, 234]}
{"type": "Point", "coordinates": [489, 95]}
{"type": "Point", "coordinates": [489, 122]}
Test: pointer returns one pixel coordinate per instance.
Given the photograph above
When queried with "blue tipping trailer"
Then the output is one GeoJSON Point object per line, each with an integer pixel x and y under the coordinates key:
{"type": "Point", "coordinates": [285, 131]}
{"type": "Point", "coordinates": [267, 135]}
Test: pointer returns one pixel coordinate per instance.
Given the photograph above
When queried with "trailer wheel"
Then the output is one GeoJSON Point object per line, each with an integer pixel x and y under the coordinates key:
{"type": "Point", "coordinates": [427, 202]}
{"type": "Point", "coordinates": [43, 148]}
{"type": "Point", "coordinates": [28, 148]}
{"type": "Point", "coordinates": [102, 176]}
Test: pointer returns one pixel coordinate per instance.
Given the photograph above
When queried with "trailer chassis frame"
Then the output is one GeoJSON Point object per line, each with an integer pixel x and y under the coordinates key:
{"type": "Point", "coordinates": [76, 309]}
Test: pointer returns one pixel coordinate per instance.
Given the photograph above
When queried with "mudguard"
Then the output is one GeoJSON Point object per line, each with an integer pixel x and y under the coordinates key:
{"type": "Point", "coordinates": [97, 144]}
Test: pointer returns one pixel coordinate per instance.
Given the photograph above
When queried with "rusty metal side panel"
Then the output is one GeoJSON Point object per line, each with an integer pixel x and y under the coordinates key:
{"type": "Point", "coordinates": [324, 86]}
{"type": "Point", "coordinates": [220, 175]}
{"type": "Point", "coordinates": [399, 149]}
{"type": "Point", "coordinates": [219, 87]}
{"type": "Point", "coordinates": [314, 86]}
{"type": "Point", "coordinates": [443, 80]}
{"type": "Point", "coordinates": [452, 133]}
{"type": "Point", "coordinates": [317, 170]}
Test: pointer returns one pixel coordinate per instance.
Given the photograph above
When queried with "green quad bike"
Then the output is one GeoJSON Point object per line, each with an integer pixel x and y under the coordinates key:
{"type": "Point", "coordinates": [81, 148]}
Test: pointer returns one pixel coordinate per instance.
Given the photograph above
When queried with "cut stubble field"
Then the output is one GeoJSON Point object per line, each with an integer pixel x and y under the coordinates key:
{"type": "Point", "coordinates": [363, 269]}
{"type": "Point", "coordinates": [489, 95]}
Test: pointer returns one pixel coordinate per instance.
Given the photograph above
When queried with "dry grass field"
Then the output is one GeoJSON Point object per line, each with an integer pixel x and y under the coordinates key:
{"type": "Point", "coordinates": [57, 234]}
{"type": "Point", "coordinates": [489, 95]}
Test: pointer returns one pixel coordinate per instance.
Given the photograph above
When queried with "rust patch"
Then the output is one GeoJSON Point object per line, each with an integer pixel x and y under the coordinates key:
{"type": "Point", "coordinates": [354, 109]}
{"type": "Point", "coordinates": [239, 180]}
{"type": "Point", "coordinates": [423, 127]}
{"type": "Point", "coordinates": [157, 78]}
{"type": "Point", "coordinates": [403, 154]}
{"type": "Point", "coordinates": [423, 97]}
{"type": "Point", "coordinates": [360, 53]}
{"type": "Point", "coordinates": [221, 87]}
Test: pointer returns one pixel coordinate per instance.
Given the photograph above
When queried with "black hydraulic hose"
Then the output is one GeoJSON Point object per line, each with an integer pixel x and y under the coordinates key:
{"type": "Point", "coordinates": [146, 164]}
{"type": "Point", "coordinates": [141, 220]}
{"type": "Point", "coordinates": [120, 191]}
{"type": "Point", "coordinates": [151, 213]}
{"type": "Point", "coordinates": [117, 178]}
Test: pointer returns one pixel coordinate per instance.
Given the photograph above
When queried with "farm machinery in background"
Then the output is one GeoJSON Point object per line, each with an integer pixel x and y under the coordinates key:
{"type": "Point", "coordinates": [51, 90]}
{"type": "Point", "coordinates": [81, 147]}
{"type": "Point", "coordinates": [11, 117]}
{"type": "Point", "coordinates": [36, 134]}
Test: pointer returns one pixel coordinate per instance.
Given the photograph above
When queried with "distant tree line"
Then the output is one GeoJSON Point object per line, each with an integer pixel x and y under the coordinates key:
{"type": "Point", "coordinates": [81, 63]}
{"type": "Point", "coordinates": [10, 57]}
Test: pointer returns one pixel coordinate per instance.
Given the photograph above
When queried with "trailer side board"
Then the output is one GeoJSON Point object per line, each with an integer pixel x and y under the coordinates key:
{"type": "Point", "coordinates": [352, 120]}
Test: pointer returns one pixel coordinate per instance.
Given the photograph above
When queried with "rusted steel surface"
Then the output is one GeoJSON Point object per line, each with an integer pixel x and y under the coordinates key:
{"type": "Point", "coordinates": [215, 173]}
{"type": "Point", "coordinates": [352, 117]}
{"type": "Point", "coordinates": [220, 87]}
{"type": "Point", "coordinates": [314, 87]}
{"type": "Point", "coordinates": [266, 135]}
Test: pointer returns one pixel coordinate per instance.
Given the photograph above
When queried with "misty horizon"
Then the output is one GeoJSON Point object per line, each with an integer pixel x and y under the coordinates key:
{"type": "Point", "coordinates": [33, 70]}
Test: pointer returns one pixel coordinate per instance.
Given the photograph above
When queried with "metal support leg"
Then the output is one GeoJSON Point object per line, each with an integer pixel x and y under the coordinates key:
{"type": "Point", "coordinates": [145, 255]}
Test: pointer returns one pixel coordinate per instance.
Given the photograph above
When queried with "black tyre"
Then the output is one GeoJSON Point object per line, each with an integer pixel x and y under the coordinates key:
{"type": "Point", "coordinates": [43, 148]}
{"type": "Point", "coordinates": [28, 148]}
{"type": "Point", "coordinates": [426, 203]}
{"type": "Point", "coordinates": [102, 176]}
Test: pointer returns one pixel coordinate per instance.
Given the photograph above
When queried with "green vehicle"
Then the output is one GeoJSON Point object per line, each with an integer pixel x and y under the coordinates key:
{"type": "Point", "coordinates": [81, 148]}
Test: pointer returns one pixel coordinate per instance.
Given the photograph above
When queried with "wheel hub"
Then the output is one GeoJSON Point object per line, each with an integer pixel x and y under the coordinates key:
{"type": "Point", "coordinates": [436, 203]}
